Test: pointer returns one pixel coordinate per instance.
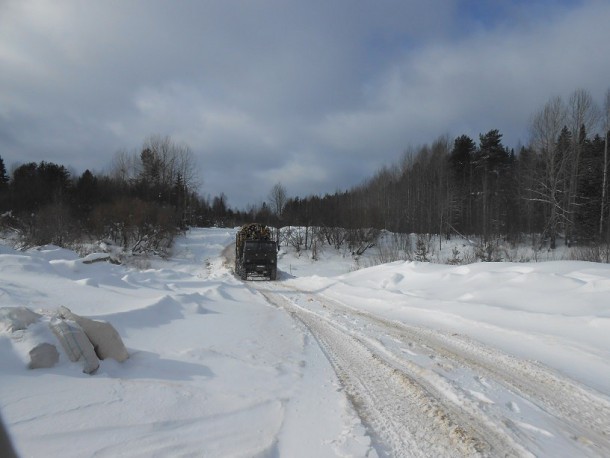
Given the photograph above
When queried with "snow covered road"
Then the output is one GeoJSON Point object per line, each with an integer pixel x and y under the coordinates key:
{"type": "Point", "coordinates": [425, 393]}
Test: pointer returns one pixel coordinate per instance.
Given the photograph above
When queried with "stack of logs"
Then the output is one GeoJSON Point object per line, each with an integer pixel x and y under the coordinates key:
{"type": "Point", "coordinates": [253, 231]}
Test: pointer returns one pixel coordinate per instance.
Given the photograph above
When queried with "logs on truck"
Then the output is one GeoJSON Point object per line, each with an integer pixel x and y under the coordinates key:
{"type": "Point", "coordinates": [255, 253]}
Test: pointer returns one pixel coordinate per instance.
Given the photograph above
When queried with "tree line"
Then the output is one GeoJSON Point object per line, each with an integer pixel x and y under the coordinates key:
{"type": "Point", "coordinates": [554, 188]}
{"type": "Point", "coordinates": [141, 204]}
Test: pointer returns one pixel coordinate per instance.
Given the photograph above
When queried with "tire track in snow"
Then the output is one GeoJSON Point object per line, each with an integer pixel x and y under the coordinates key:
{"type": "Point", "coordinates": [407, 417]}
{"type": "Point", "coordinates": [580, 415]}
{"type": "Point", "coordinates": [385, 398]}
{"type": "Point", "coordinates": [584, 414]}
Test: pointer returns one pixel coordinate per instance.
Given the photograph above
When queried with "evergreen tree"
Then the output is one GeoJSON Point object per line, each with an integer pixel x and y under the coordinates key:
{"type": "Point", "coordinates": [491, 164]}
{"type": "Point", "coordinates": [24, 188]}
{"type": "Point", "coordinates": [86, 194]}
{"type": "Point", "coordinates": [36, 185]}
{"type": "Point", "coordinates": [590, 181]}
{"type": "Point", "coordinates": [3, 175]}
{"type": "Point", "coordinates": [4, 198]}
{"type": "Point", "coordinates": [527, 169]}
{"type": "Point", "coordinates": [461, 163]}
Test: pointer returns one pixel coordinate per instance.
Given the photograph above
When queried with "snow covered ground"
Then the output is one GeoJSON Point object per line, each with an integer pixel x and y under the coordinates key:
{"type": "Point", "coordinates": [401, 359]}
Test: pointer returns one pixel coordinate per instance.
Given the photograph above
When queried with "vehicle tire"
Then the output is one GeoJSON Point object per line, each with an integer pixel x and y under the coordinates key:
{"type": "Point", "coordinates": [240, 271]}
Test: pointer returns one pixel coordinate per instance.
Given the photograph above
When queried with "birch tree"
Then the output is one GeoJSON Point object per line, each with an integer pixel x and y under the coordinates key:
{"type": "Point", "coordinates": [546, 127]}
{"type": "Point", "coordinates": [164, 162]}
{"type": "Point", "coordinates": [277, 203]}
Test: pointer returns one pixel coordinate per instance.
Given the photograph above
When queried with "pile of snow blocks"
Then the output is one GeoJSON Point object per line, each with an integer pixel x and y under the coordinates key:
{"type": "Point", "coordinates": [82, 339]}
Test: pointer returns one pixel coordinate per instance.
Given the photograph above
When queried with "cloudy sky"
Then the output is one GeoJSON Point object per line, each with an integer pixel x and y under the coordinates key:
{"type": "Point", "coordinates": [315, 94]}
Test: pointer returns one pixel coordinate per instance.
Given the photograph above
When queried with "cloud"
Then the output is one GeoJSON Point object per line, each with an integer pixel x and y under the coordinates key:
{"type": "Point", "coordinates": [317, 94]}
{"type": "Point", "coordinates": [494, 79]}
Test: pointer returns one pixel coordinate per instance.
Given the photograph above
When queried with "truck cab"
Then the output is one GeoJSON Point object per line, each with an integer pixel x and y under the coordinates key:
{"type": "Point", "coordinates": [260, 258]}
{"type": "Point", "coordinates": [255, 253]}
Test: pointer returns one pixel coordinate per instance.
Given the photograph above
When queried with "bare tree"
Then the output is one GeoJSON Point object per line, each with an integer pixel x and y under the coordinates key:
{"type": "Point", "coordinates": [277, 203]}
{"type": "Point", "coordinates": [277, 199]}
{"type": "Point", "coordinates": [546, 128]}
{"type": "Point", "coordinates": [605, 169]}
{"type": "Point", "coordinates": [173, 160]}
{"type": "Point", "coordinates": [124, 167]}
{"type": "Point", "coordinates": [160, 162]}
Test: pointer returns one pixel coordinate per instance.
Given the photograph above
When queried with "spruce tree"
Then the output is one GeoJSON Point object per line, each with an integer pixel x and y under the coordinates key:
{"type": "Point", "coordinates": [461, 162]}
{"type": "Point", "coordinates": [3, 175]}
{"type": "Point", "coordinates": [4, 195]}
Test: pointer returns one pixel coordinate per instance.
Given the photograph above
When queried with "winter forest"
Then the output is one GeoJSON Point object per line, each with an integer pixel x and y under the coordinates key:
{"type": "Point", "coordinates": [554, 190]}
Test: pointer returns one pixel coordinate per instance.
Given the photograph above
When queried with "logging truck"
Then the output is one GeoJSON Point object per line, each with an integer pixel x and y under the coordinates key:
{"type": "Point", "coordinates": [255, 253]}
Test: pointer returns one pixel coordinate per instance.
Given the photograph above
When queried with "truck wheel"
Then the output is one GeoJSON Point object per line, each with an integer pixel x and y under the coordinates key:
{"type": "Point", "coordinates": [273, 274]}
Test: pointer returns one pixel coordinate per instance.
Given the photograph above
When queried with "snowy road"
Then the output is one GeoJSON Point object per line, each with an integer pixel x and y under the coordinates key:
{"type": "Point", "coordinates": [421, 392]}
{"type": "Point", "coordinates": [398, 360]}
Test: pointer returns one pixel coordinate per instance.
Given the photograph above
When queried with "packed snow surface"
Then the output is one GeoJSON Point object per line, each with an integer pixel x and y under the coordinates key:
{"type": "Point", "coordinates": [401, 359]}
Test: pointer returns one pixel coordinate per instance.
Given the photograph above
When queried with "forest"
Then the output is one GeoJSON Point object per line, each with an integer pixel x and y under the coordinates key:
{"type": "Point", "coordinates": [554, 190]}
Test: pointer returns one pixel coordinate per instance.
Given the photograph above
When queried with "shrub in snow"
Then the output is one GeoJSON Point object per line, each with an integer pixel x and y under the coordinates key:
{"type": "Point", "coordinates": [455, 257]}
{"type": "Point", "coordinates": [488, 251]}
{"type": "Point", "coordinates": [423, 248]}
